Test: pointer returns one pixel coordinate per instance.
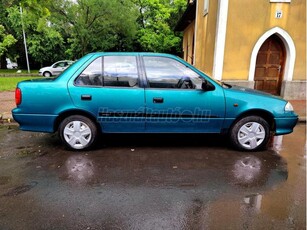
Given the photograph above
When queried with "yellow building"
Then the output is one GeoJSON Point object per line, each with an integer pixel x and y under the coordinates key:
{"type": "Point", "coordinates": [259, 44]}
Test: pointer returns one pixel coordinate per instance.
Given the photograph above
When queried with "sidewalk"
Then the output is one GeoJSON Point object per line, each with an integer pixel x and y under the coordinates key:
{"type": "Point", "coordinates": [7, 103]}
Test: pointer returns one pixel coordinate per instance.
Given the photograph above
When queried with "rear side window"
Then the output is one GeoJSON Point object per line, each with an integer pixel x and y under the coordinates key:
{"type": "Point", "coordinates": [110, 71]}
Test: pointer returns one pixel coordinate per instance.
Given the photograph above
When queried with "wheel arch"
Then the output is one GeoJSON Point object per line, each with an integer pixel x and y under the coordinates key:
{"type": "Point", "coordinates": [47, 71]}
{"type": "Point", "coordinates": [68, 113]}
{"type": "Point", "coordinates": [266, 115]}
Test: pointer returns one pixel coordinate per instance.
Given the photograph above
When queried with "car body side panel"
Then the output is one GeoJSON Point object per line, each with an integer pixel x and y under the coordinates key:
{"type": "Point", "coordinates": [117, 109]}
{"type": "Point", "coordinates": [240, 101]}
{"type": "Point", "coordinates": [40, 105]}
{"type": "Point", "coordinates": [185, 110]}
{"type": "Point", "coordinates": [43, 100]}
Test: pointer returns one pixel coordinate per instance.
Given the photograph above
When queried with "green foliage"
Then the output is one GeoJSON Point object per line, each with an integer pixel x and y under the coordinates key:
{"type": "Point", "coordinates": [66, 29]}
{"type": "Point", "coordinates": [45, 43]}
{"type": "Point", "coordinates": [99, 25]}
{"type": "Point", "coordinates": [157, 21]}
{"type": "Point", "coordinates": [6, 40]}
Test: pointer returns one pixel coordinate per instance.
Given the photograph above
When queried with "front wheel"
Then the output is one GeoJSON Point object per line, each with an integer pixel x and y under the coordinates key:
{"type": "Point", "coordinates": [78, 132]}
{"type": "Point", "coordinates": [250, 133]}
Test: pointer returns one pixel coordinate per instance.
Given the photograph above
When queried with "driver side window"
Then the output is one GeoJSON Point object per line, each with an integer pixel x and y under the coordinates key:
{"type": "Point", "coordinates": [163, 72]}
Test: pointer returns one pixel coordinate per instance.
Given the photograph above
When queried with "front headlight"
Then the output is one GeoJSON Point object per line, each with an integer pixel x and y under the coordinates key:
{"type": "Point", "coordinates": [288, 107]}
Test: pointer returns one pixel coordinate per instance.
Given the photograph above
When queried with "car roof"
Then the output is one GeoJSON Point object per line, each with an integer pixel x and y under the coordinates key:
{"type": "Point", "coordinates": [130, 53]}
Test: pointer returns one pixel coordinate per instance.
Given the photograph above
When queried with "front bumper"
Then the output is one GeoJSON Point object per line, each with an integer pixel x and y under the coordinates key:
{"type": "Point", "coordinates": [285, 125]}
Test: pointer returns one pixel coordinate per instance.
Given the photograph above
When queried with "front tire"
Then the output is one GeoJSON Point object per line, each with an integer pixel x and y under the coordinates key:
{"type": "Point", "coordinates": [78, 132]}
{"type": "Point", "coordinates": [250, 133]}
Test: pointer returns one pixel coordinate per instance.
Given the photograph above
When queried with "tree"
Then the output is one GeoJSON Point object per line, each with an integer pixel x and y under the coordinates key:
{"type": "Point", "coordinates": [71, 28]}
{"type": "Point", "coordinates": [96, 25]}
{"type": "Point", "coordinates": [45, 43]}
{"type": "Point", "coordinates": [6, 41]}
{"type": "Point", "coordinates": [157, 20]}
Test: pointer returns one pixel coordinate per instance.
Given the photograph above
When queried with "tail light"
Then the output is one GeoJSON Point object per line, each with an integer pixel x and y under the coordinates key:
{"type": "Point", "coordinates": [18, 96]}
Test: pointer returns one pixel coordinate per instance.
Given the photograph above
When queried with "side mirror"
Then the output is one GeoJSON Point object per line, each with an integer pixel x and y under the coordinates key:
{"type": "Point", "coordinates": [207, 86]}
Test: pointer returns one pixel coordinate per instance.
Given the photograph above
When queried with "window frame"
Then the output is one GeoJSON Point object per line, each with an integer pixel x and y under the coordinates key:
{"type": "Point", "coordinates": [146, 81]}
{"type": "Point", "coordinates": [139, 81]}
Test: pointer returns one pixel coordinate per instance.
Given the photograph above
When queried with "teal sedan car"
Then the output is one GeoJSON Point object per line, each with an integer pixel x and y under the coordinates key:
{"type": "Point", "coordinates": [147, 93]}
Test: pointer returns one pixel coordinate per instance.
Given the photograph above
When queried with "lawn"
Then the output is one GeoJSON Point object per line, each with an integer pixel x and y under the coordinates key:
{"type": "Point", "coordinates": [9, 83]}
{"type": "Point", "coordinates": [14, 71]}
{"type": "Point", "coordinates": [8, 71]}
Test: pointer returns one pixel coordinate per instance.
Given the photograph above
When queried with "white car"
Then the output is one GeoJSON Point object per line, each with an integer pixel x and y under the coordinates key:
{"type": "Point", "coordinates": [55, 69]}
{"type": "Point", "coordinates": [10, 64]}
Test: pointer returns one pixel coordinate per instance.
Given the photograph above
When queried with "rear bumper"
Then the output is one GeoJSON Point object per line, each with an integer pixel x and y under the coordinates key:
{"type": "Point", "coordinates": [285, 125]}
{"type": "Point", "coordinates": [35, 122]}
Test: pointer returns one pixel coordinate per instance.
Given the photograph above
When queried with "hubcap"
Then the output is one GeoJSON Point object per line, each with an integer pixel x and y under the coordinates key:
{"type": "Point", "coordinates": [251, 135]}
{"type": "Point", "coordinates": [77, 134]}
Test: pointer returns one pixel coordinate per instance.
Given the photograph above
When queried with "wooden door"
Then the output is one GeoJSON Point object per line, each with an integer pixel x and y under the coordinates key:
{"type": "Point", "coordinates": [270, 65]}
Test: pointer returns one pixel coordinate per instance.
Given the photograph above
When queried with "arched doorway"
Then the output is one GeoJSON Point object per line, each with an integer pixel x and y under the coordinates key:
{"type": "Point", "coordinates": [270, 65]}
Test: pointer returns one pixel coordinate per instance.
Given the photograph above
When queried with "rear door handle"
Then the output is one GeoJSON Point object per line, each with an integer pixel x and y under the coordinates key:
{"type": "Point", "coordinates": [86, 97]}
{"type": "Point", "coordinates": [158, 100]}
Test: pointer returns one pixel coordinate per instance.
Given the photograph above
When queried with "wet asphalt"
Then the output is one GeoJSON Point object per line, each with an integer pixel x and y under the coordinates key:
{"type": "Point", "coordinates": [151, 182]}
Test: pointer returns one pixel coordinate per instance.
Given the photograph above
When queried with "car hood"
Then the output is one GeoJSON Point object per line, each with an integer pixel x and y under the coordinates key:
{"type": "Point", "coordinates": [252, 91]}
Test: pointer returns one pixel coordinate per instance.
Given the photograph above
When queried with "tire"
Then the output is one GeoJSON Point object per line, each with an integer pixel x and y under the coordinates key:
{"type": "Point", "coordinates": [47, 74]}
{"type": "Point", "coordinates": [250, 133]}
{"type": "Point", "coordinates": [78, 132]}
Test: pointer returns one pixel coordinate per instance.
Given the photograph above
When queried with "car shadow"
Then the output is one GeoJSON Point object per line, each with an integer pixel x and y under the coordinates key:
{"type": "Point", "coordinates": [162, 140]}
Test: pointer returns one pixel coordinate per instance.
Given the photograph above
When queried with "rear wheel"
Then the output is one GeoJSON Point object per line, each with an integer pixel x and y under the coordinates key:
{"type": "Point", "coordinates": [78, 132]}
{"type": "Point", "coordinates": [47, 74]}
{"type": "Point", "coordinates": [250, 133]}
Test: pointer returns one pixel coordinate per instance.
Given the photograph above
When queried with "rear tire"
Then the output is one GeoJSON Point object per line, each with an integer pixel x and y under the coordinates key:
{"type": "Point", "coordinates": [250, 133]}
{"type": "Point", "coordinates": [78, 132]}
{"type": "Point", "coordinates": [47, 74]}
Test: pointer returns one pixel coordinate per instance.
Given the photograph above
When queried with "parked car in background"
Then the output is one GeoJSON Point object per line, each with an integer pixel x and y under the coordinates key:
{"type": "Point", "coordinates": [147, 93]}
{"type": "Point", "coordinates": [55, 69]}
{"type": "Point", "coordinates": [10, 64]}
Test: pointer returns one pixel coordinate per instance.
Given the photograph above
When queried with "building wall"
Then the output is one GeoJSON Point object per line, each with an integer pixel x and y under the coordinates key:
{"type": "Point", "coordinates": [245, 27]}
{"type": "Point", "coordinates": [188, 43]}
{"type": "Point", "coordinates": [205, 36]}
{"type": "Point", "coordinates": [247, 24]}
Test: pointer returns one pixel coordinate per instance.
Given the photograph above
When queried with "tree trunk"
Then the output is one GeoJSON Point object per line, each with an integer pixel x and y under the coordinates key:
{"type": "Point", "coordinates": [3, 62]}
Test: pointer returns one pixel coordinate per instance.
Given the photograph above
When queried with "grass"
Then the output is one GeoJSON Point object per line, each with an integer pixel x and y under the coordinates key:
{"type": "Point", "coordinates": [9, 83]}
{"type": "Point", "coordinates": [8, 71]}
{"type": "Point", "coordinates": [13, 71]}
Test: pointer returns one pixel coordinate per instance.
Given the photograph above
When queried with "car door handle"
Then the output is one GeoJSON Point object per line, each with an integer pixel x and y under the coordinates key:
{"type": "Point", "coordinates": [158, 100]}
{"type": "Point", "coordinates": [86, 97]}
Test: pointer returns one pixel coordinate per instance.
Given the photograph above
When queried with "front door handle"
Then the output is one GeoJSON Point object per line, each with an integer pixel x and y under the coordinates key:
{"type": "Point", "coordinates": [158, 100]}
{"type": "Point", "coordinates": [86, 97]}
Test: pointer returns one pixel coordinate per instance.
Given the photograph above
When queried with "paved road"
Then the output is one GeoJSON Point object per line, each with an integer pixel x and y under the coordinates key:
{"type": "Point", "coordinates": [151, 182]}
